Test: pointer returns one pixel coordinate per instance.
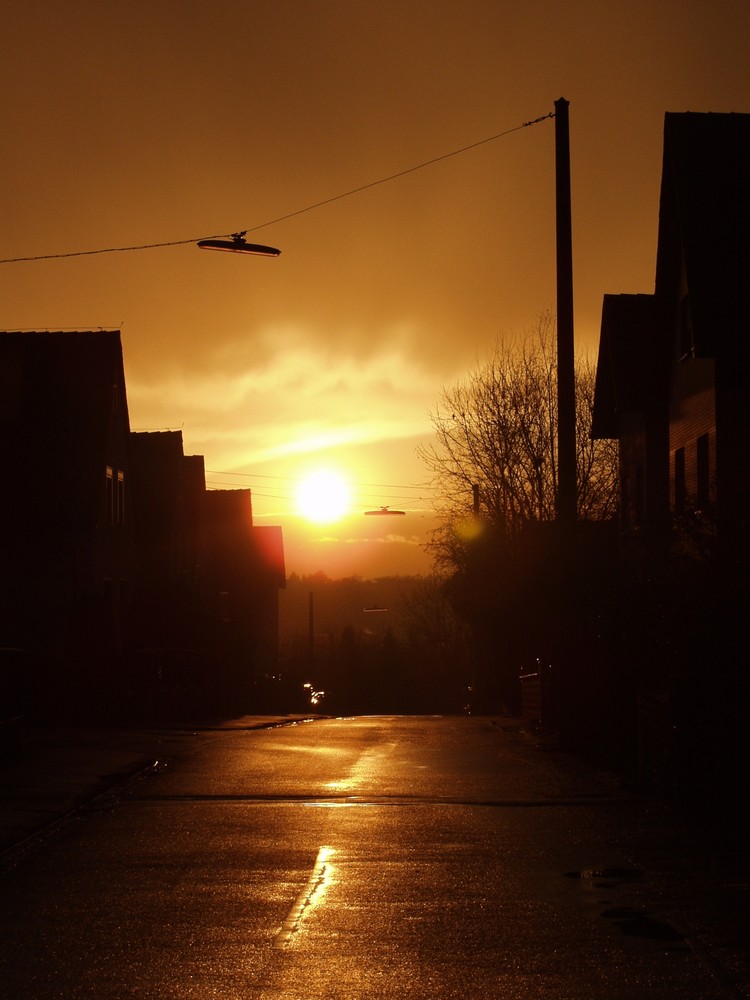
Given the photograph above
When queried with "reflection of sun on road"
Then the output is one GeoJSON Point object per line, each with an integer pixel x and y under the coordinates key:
{"type": "Point", "coordinates": [323, 497]}
{"type": "Point", "coordinates": [362, 776]}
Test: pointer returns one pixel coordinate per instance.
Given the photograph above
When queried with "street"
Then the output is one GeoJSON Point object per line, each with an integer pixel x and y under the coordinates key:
{"type": "Point", "coordinates": [361, 858]}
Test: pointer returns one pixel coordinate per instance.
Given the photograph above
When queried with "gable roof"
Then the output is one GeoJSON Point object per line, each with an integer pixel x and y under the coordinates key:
{"type": "Point", "coordinates": [704, 219]}
{"type": "Point", "coordinates": [627, 361]}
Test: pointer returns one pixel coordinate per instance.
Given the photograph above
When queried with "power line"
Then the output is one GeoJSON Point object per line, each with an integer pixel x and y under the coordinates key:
{"type": "Point", "coordinates": [289, 496]}
{"type": "Point", "coordinates": [295, 479]}
{"type": "Point", "coordinates": [289, 215]}
{"type": "Point", "coordinates": [358, 499]}
{"type": "Point", "coordinates": [284, 488]}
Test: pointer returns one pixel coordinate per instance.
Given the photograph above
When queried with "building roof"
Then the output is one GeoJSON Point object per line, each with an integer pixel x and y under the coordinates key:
{"type": "Point", "coordinates": [157, 461]}
{"type": "Point", "coordinates": [704, 231]}
{"type": "Point", "coordinates": [626, 362]}
{"type": "Point", "coordinates": [704, 218]}
{"type": "Point", "coordinates": [231, 535]}
{"type": "Point", "coordinates": [269, 543]}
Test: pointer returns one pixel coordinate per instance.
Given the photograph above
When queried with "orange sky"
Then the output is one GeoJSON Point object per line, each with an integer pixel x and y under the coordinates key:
{"type": "Point", "coordinates": [143, 121]}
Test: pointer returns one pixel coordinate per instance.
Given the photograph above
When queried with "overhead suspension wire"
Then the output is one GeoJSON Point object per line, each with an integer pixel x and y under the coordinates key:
{"type": "Point", "coordinates": [289, 215]}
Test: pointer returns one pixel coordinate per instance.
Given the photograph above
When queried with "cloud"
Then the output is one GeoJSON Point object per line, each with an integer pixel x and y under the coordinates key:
{"type": "Point", "coordinates": [304, 399]}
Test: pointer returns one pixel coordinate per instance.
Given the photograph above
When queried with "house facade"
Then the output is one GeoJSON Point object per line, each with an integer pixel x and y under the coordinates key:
{"type": "Point", "coordinates": [674, 363]}
{"type": "Point", "coordinates": [631, 405]}
{"type": "Point", "coordinates": [672, 388]}
{"type": "Point", "coordinates": [242, 573]}
{"type": "Point", "coordinates": [65, 524]}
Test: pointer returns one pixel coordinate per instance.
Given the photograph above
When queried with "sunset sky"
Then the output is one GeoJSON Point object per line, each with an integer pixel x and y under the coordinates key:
{"type": "Point", "coordinates": [132, 122]}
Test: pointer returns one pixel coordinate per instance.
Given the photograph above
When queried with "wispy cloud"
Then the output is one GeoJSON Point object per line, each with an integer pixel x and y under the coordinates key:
{"type": "Point", "coordinates": [301, 401]}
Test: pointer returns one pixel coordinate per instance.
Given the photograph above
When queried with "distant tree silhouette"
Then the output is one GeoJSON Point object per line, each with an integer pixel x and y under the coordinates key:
{"type": "Point", "coordinates": [439, 646]}
{"type": "Point", "coordinates": [407, 657]}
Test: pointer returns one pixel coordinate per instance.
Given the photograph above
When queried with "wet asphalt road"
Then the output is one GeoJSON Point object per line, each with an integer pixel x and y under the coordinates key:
{"type": "Point", "coordinates": [372, 857]}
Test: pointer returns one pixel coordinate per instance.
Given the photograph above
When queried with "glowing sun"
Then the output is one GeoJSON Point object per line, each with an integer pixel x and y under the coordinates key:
{"type": "Point", "coordinates": [323, 497]}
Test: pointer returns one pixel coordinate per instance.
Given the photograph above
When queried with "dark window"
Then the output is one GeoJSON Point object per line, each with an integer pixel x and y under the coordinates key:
{"type": "Point", "coordinates": [224, 609]}
{"type": "Point", "coordinates": [115, 496]}
{"type": "Point", "coordinates": [702, 466]}
{"type": "Point", "coordinates": [679, 480]}
{"type": "Point", "coordinates": [121, 498]}
{"type": "Point", "coordinates": [639, 495]}
{"type": "Point", "coordinates": [110, 496]}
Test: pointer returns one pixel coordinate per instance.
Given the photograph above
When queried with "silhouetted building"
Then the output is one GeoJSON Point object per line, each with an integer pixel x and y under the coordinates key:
{"type": "Point", "coordinates": [242, 573]}
{"type": "Point", "coordinates": [206, 584]}
{"type": "Point", "coordinates": [631, 404]}
{"type": "Point", "coordinates": [168, 502]}
{"type": "Point", "coordinates": [66, 531]}
{"type": "Point", "coordinates": [672, 368]}
{"type": "Point", "coordinates": [672, 388]}
{"type": "Point", "coordinates": [125, 586]}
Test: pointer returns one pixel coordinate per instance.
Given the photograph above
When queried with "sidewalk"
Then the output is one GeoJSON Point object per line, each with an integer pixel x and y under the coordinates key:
{"type": "Point", "coordinates": [47, 774]}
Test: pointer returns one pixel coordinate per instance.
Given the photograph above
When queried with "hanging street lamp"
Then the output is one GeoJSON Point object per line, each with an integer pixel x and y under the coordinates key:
{"type": "Point", "coordinates": [237, 244]}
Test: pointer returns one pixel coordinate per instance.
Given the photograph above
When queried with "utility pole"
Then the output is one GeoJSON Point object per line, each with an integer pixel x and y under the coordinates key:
{"type": "Point", "coordinates": [566, 394]}
{"type": "Point", "coordinates": [564, 608]}
{"type": "Point", "coordinates": [311, 630]}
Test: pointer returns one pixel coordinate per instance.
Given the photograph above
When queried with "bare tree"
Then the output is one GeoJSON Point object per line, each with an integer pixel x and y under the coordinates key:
{"type": "Point", "coordinates": [496, 449]}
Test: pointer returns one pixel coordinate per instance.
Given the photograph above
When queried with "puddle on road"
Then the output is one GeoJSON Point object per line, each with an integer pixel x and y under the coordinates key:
{"type": "Point", "coordinates": [638, 923]}
{"type": "Point", "coordinates": [631, 921]}
{"type": "Point", "coordinates": [607, 877]}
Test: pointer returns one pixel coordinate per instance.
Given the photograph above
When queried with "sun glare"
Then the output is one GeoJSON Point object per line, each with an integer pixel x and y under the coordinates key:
{"type": "Point", "coordinates": [323, 497]}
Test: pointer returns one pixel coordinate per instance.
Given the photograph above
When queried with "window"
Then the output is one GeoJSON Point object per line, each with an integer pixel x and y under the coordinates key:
{"type": "Point", "coordinates": [224, 608]}
{"type": "Point", "coordinates": [679, 480]}
{"type": "Point", "coordinates": [120, 497]}
{"type": "Point", "coordinates": [110, 495]}
{"type": "Point", "coordinates": [115, 495]}
{"type": "Point", "coordinates": [640, 494]}
{"type": "Point", "coordinates": [702, 468]}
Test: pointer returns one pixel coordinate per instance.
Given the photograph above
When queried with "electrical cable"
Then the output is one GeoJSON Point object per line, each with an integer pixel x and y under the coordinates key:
{"type": "Point", "coordinates": [360, 491]}
{"type": "Point", "coordinates": [289, 215]}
